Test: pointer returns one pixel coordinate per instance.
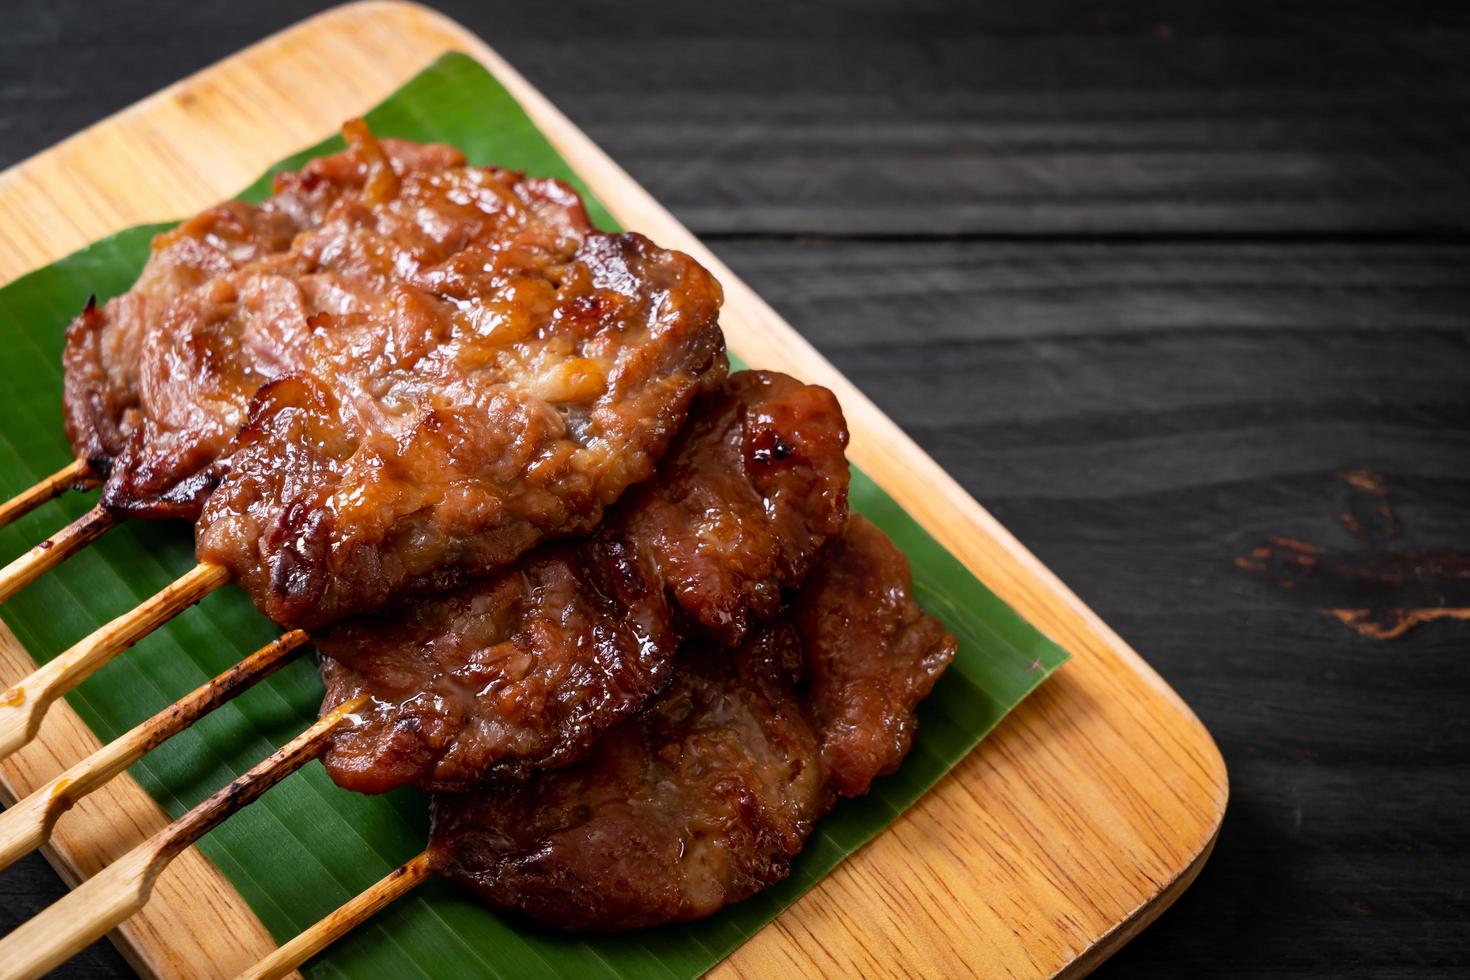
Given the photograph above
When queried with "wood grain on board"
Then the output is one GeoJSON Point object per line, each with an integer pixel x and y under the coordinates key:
{"type": "Point", "coordinates": [1073, 825]}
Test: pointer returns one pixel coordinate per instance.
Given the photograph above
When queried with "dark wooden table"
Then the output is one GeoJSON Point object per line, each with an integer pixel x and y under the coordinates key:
{"type": "Point", "coordinates": [1181, 295]}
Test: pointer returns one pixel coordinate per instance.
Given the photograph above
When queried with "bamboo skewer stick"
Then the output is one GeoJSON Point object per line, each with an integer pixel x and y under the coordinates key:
{"type": "Point", "coordinates": [75, 475]}
{"type": "Point", "coordinates": [349, 916]}
{"type": "Point", "coordinates": [123, 887]}
{"type": "Point", "coordinates": [24, 706]}
{"type": "Point", "coordinates": [53, 551]}
{"type": "Point", "coordinates": [26, 825]}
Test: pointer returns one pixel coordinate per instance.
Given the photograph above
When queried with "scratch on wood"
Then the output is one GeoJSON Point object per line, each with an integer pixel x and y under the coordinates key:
{"type": "Point", "coordinates": [1365, 480]}
{"type": "Point", "coordinates": [1390, 624]}
{"type": "Point", "coordinates": [1379, 591]}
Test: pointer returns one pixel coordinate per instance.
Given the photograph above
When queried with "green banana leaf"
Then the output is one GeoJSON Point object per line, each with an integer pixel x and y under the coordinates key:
{"type": "Point", "coordinates": [307, 846]}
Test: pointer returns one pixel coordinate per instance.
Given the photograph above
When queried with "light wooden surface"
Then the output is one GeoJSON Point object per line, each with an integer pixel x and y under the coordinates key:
{"type": "Point", "coordinates": [1071, 827]}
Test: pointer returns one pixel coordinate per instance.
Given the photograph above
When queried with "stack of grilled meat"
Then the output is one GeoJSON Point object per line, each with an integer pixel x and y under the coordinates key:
{"type": "Point", "coordinates": [605, 596]}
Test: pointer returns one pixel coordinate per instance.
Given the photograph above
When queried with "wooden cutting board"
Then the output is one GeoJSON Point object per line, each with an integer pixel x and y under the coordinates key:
{"type": "Point", "coordinates": [1070, 828]}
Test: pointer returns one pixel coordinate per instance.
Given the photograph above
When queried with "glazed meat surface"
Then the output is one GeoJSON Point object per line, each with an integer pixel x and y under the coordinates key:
{"type": "Point", "coordinates": [706, 796]}
{"type": "Point", "coordinates": [871, 655]}
{"type": "Point", "coordinates": [700, 801]}
{"type": "Point", "coordinates": [479, 371]}
{"type": "Point", "coordinates": [533, 664]}
{"type": "Point", "coordinates": [405, 371]}
{"type": "Point", "coordinates": [157, 380]}
{"type": "Point", "coordinates": [758, 486]}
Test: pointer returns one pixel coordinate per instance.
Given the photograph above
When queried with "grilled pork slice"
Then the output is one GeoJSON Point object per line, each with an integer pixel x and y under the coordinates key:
{"type": "Point", "coordinates": [531, 665]}
{"type": "Point", "coordinates": [705, 797]}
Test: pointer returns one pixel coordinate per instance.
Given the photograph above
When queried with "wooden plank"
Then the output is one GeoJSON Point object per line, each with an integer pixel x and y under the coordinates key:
{"type": "Point", "coordinates": [930, 118]}
{"type": "Point", "coordinates": [1152, 413]}
{"type": "Point", "coordinates": [1151, 367]}
{"type": "Point", "coordinates": [843, 294]}
{"type": "Point", "coordinates": [1076, 823]}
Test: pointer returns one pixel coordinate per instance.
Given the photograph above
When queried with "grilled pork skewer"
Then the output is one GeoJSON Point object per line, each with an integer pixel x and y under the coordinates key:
{"type": "Point", "coordinates": [766, 445]}
{"type": "Point", "coordinates": [398, 373]}
{"type": "Point", "coordinates": [713, 789]}
{"type": "Point", "coordinates": [434, 429]}
{"type": "Point", "coordinates": [759, 744]}
{"type": "Point", "coordinates": [436, 367]}
{"type": "Point", "coordinates": [116, 354]}
{"type": "Point", "coordinates": [763, 455]}
{"type": "Point", "coordinates": [530, 666]}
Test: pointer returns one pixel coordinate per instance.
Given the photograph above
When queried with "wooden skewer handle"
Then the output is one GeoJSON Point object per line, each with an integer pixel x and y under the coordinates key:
{"type": "Point", "coordinates": [26, 825]}
{"type": "Point", "coordinates": [24, 705]}
{"type": "Point", "coordinates": [123, 887]}
{"type": "Point", "coordinates": [76, 475]}
{"type": "Point", "coordinates": [349, 916]}
{"type": "Point", "coordinates": [53, 551]}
